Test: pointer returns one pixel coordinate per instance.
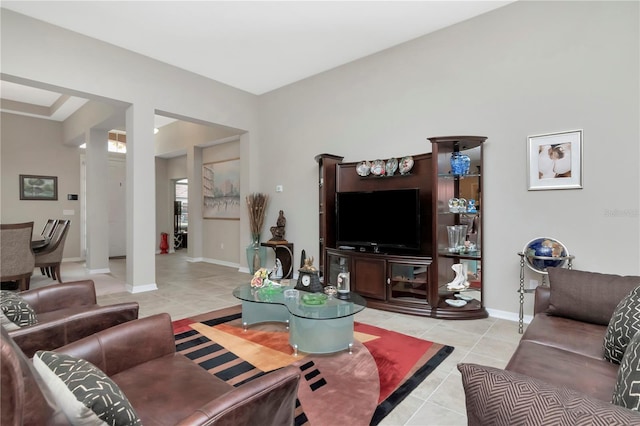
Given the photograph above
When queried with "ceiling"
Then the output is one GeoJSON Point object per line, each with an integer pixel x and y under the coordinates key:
{"type": "Point", "coordinates": [255, 46]}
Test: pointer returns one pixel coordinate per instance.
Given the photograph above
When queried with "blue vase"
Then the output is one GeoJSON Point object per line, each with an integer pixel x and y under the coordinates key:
{"type": "Point", "coordinates": [460, 164]}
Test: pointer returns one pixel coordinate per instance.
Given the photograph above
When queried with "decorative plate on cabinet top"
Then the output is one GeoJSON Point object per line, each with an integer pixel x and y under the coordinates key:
{"type": "Point", "coordinates": [364, 168]}
{"type": "Point", "coordinates": [406, 164]}
{"type": "Point", "coordinates": [377, 168]}
{"type": "Point", "coordinates": [456, 303]}
{"type": "Point", "coordinates": [392, 166]}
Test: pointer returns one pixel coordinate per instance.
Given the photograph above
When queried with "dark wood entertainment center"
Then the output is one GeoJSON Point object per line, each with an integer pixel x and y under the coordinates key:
{"type": "Point", "coordinates": [412, 282]}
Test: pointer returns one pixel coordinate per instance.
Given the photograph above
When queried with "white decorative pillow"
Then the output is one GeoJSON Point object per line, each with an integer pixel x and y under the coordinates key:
{"type": "Point", "coordinates": [84, 393]}
{"type": "Point", "coordinates": [16, 311]}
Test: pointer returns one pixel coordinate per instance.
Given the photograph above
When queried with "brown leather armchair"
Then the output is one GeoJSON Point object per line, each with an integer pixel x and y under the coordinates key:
{"type": "Point", "coordinates": [67, 312]}
{"type": "Point", "coordinates": [164, 387]}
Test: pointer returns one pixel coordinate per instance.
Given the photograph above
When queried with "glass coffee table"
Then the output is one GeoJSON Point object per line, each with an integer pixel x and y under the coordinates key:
{"type": "Point", "coordinates": [316, 325]}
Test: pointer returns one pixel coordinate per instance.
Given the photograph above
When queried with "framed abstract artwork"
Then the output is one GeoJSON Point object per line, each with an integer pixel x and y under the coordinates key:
{"type": "Point", "coordinates": [221, 190]}
{"type": "Point", "coordinates": [554, 161]}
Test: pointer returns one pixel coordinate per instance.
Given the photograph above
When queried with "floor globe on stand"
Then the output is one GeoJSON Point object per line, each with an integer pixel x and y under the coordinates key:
{"type": "Point", "coordinates": [539, 254]}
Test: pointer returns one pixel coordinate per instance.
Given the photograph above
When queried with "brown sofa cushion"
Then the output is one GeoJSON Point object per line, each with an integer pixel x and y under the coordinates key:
{"type": "Point", "coordinates": [624, 324]}
{"type": "Point", "coordinates": [593, 377]}
{"type": "Point", "coordinates": [499, 397]}
{"type": "Point", "coordinates": [587, 296]}
{"type": "Point", "coordinates": [573, 336]}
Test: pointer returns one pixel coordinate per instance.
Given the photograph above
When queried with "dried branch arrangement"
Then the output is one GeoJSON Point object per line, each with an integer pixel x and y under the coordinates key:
{"type": "Point", "coordinates": [257, 205]}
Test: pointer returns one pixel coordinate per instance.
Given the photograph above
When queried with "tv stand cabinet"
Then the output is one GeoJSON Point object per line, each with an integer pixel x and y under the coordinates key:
{"type": "Point", "coordinates": [411, 283]}
{"type": "Point", "coordinates": [389, 282]}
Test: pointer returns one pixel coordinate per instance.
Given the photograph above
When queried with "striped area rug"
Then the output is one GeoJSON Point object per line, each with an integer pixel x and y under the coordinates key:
{"type": "Point", "coordinates": [360, 388]}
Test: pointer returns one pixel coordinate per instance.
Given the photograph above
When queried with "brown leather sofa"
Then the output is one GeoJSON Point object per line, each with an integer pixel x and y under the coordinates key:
{"type": "Point", "coordinates": [562, 348]}
{"type": "Point", "coordinates": [67, 312]}
{"type": "Point", "coordinates": [164, 387]}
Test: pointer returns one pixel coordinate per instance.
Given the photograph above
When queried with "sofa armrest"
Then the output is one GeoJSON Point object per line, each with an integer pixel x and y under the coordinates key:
{"type": "Point", "coordinates": [267, 400]}
{"type": "Point", "coordinates": [58, 332]}
{"type": "Point", "coordinates": [60, 296]}
{"type": "Point", "coordinates": [124, 346]}
{"type": "Point", "coordinates": [542, 297]}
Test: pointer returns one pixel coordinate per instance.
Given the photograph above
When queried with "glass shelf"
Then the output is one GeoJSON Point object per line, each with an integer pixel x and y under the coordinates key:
{"type": "Point", "coordinates": [454, 177]}
{"type": "Point", "coordinates": [471, 256]}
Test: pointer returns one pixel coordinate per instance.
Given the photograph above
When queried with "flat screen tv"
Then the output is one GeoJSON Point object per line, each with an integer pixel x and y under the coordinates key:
{"type": "Point", "coordinates": [379, 219]}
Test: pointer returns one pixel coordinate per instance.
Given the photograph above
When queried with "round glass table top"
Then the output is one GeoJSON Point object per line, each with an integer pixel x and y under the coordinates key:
{"type": "Point", "coordinates": [303, 304]}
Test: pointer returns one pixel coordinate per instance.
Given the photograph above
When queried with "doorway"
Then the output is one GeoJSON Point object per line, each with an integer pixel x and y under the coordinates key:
{"type": "Point", "coordinates": [181, 214]}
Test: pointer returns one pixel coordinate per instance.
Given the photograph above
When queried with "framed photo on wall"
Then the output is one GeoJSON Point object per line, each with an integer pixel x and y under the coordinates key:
{"type": "Point", "coordinates": [221, 190]}
{"type": "Point", "coordinates": [554, 161]}
{"type": "Point", "coordinates": [34, 187]}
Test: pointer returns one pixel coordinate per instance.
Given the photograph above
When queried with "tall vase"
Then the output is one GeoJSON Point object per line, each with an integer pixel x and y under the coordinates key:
{"type": "Point", "coordinates": [256, 254]}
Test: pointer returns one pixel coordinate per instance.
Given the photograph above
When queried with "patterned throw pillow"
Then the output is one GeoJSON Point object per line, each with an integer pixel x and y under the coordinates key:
{"type": "Point", "coordinates": [624, 324]}
{"type": "Point", "coordinates": [84, 393]}
{"type": "Point", "coordinates": [627, 390]}
{"type": "Point", "coordinates": [16, 310]}
{"type": "Point", "coordinates": [504, 398]}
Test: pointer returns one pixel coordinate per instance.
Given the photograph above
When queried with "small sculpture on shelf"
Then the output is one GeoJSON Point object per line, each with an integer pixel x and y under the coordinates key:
{"type": "Point", "coordinates": [460, 281]}
{"type": "Point", "coordinates": [278, 231]}
{"type": "Point", "coordinates": [471, 208]}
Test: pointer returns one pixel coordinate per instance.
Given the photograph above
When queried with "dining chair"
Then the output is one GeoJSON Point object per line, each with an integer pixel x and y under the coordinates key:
{"type": "Point", "coordinates": [47, 231]}
{"type": "Point", "coordinates": [16, 256]}
{"type": "Point", "coordinates": [50, 257]}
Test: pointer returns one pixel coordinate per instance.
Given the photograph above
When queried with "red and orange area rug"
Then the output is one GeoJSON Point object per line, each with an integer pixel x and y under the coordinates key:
{"type": "Point", "coordinates": [360, 388]}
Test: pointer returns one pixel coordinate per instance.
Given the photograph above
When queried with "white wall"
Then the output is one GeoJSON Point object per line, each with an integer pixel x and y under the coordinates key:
{"type": "Point", "coordinates": [525, 69]}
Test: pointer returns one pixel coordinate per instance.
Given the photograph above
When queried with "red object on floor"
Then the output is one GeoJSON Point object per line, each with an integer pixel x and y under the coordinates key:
{"type": "Point", "coordinates": [164, 244]}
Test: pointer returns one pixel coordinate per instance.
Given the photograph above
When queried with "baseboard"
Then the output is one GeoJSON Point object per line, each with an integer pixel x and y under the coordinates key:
{"type": "Point", "coordinates": [99, 271]}
{"type": "Point", "coordinates": [141, 288]}
{"type": "Point", "coordinates": [509, 316]}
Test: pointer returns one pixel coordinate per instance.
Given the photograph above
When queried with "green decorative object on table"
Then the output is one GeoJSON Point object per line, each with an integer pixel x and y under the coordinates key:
{"type": "Point", "coordinates": [314, 299]}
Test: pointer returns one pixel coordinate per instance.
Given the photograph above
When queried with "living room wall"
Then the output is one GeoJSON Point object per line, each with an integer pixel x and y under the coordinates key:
{"type": "Point", "coordinates": [525, 69]}
{"type": "Point", "coordinates": [34, 146]}
{"type": "Point", "coordinates": [45, 56]}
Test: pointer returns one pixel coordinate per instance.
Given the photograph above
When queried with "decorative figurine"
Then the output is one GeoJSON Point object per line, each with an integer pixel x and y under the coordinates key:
{"type": "Point", "coordinates": [471, 208]}
{"type": "Point", "coordinates": [278, 231]}
{"type": "Point", "coordinates": [460, 281]}
{"type": "Point", "coordinates": [276, 272]}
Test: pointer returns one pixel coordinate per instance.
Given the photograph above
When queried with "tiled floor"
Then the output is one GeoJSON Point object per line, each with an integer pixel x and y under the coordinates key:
{"type": "Point", "coordinates": [187, 289]}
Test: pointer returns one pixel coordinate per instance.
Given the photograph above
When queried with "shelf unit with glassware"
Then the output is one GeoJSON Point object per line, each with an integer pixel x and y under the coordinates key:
{"type": "Point", "coordinates": [450, 186]}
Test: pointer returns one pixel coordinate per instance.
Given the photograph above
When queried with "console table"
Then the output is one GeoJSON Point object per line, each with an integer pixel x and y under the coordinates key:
{"type": "Point", "coordinates": [283, 251]}
{"type": "Point", "coordinates": [522, 291]}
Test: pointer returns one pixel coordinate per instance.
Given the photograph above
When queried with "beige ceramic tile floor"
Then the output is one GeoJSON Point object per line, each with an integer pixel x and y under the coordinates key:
{"type": "Point", "coordinates": [186, 289]}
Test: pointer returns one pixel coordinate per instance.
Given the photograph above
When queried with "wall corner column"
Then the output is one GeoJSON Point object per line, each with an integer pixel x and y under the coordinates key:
{"type": "Point", "coordinates": [141, 199]}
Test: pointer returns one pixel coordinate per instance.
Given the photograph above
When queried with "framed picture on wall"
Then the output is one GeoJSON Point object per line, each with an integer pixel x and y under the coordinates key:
{"type": "Point", "coordinates": [34, 187]}
{"type": "Point", "coordinates": [221, 190]}
{"type": "Point", "coordinates": [554, 161]}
